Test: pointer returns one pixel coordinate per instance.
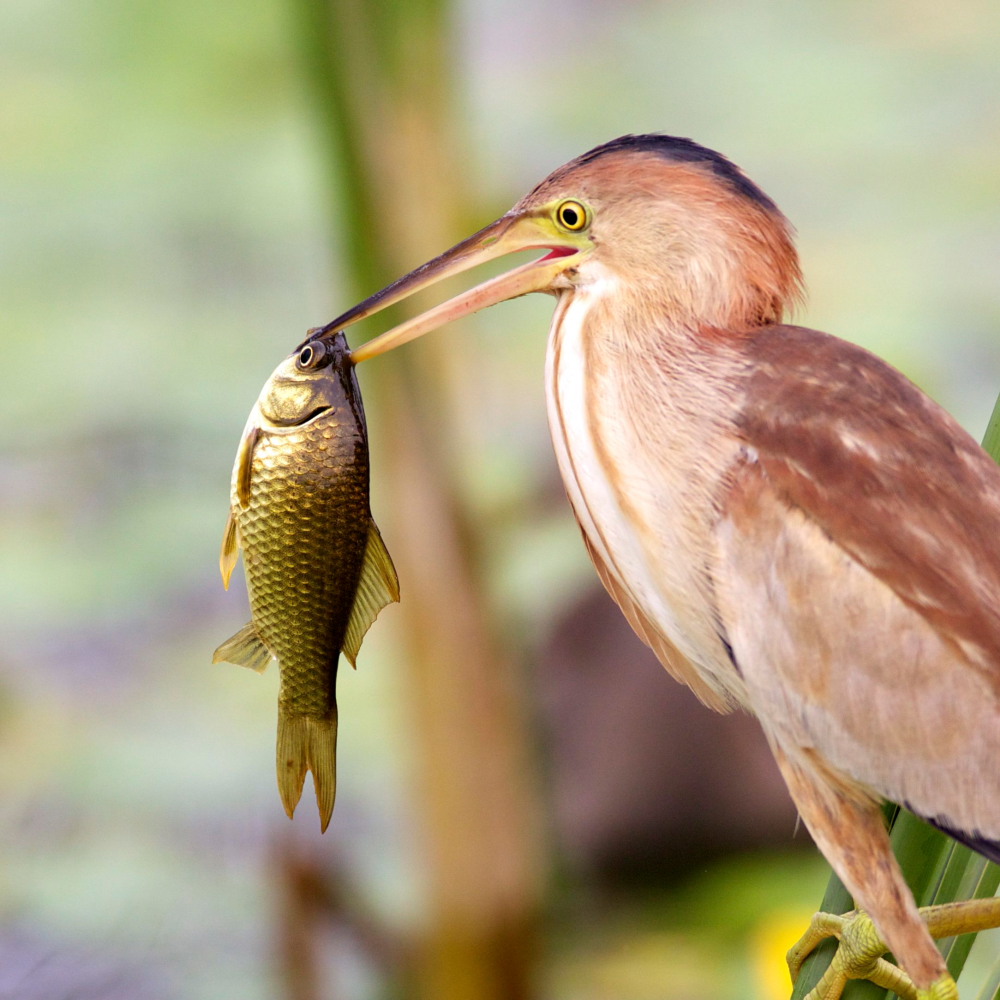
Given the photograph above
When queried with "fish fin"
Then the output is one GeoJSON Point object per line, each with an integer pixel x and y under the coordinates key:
{"type": "Point", "coordinates": [245, 649]}
{"type": "Point", "coordinates": [230, 549]}
{"type": "Point", "coordinates": [307, 744]}
{"type": "Point", "coordinates": [377, 587]}
{"type": "Point", "coordinates": [244, 464]}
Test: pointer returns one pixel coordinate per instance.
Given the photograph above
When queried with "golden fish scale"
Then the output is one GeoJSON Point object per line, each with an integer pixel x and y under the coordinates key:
{"type": "Point", "coordinates": [304, 533]}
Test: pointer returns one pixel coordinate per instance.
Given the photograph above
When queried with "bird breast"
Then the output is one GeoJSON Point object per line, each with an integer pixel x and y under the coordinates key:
{"type": "Point", "coordinates": [642, 459]}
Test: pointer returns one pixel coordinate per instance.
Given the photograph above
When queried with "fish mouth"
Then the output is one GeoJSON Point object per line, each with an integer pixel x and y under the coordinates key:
{"type": "Point", "coordinates": [518, 230]}
{"type": "Point", "coordinates": [300, 421]}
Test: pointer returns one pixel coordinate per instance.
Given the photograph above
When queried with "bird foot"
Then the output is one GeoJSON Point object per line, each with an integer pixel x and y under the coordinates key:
{"type": "Point", "coordinates": [859, 956]}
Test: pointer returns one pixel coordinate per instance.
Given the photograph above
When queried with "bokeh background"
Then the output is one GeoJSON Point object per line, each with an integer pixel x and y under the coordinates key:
{"type": "Point", "coordinates": [528, 807]}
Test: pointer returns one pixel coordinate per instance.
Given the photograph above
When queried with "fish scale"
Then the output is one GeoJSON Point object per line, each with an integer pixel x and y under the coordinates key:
{"type": "Point", "coordinates": [289, 506]}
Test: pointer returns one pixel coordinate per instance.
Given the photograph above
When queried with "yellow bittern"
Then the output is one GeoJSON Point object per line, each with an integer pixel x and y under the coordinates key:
{"type": "Point", "coordinates": [790, 524]}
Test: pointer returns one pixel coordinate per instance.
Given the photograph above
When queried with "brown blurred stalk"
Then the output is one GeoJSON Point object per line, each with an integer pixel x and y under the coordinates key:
{"type": "Point", "coordinates": [379, 76]}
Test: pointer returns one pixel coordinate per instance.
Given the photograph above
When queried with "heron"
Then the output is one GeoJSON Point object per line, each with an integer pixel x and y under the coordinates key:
{"type": "Point", "coordinates": [789, 523]}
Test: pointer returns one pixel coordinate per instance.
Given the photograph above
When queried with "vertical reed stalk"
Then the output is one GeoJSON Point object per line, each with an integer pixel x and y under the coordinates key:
{"type": "Point", "coordinates": [380, 81]}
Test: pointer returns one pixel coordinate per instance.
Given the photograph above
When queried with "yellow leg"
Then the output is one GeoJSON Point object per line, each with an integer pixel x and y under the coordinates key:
{"type": "Point", "coordinates": [859, 955]}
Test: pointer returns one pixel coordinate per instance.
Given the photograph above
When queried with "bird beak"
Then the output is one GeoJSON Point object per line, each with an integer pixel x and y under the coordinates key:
{"type": "Point", "coordinates": [509, 234]}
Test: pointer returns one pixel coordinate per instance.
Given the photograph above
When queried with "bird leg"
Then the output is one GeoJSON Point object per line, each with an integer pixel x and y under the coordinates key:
{"type": "Point", "coordinates": [849, 829]}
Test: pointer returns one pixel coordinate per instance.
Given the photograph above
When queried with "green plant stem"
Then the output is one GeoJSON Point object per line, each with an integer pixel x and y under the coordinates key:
{"type": "Point", "coordinates": [991, 439]}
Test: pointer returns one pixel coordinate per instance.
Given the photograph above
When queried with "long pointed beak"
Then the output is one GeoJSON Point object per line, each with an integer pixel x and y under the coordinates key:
{"type": "Point", "coordinates": [508, 234]}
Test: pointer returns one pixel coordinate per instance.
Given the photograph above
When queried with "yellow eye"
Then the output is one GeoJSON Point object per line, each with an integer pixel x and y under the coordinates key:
{"type": "Point", "coordinates": [572, 215]}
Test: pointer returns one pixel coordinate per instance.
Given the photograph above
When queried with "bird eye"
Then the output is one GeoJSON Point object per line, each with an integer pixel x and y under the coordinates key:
{"type": "Point", "coordinates": [572, 215]}
{"type": "Point", "coordinates": [311, 356]}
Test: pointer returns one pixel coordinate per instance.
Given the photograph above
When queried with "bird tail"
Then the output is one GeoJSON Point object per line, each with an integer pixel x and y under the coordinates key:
{"type": "Point", "coordinates": [989, 849]}
{"type": "Point", "coordinates": [305, 744]}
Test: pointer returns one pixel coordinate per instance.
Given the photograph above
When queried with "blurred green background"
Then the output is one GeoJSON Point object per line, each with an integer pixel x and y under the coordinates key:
{"type": "Point", "coordinates": [169, 228]}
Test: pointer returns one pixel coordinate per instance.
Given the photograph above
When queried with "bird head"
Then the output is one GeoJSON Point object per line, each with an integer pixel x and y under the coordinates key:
{"type": "Point", "coordinates": [662, 223]}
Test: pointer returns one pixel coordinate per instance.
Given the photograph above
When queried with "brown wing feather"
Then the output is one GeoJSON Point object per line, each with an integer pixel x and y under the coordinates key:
{"type": "Point", "coordinates": [841, 671]}
{"type": "Point", "coordinates": [675, 662]}
{"type": "Point", "coordinates": [888, 474]}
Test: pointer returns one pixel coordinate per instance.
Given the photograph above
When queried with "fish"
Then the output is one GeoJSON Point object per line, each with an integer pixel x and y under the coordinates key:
{"type": "Point", "coordinates": [317, 570]}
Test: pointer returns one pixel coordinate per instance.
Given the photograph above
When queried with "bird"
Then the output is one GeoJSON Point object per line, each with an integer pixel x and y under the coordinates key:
{"type": "Point", "coordinates": [791, 525]}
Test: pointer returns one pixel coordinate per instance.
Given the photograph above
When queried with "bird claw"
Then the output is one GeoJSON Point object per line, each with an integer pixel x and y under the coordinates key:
{"type": "Point", "coordinates": [944, 989]}
{"type": "Point", "coordinates": [859, 956]}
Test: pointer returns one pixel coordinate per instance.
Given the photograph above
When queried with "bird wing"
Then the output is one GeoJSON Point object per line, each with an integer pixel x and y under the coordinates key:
{"type": "Point", "coordinates": [888, 474]}
{"type": "Point", "coordinates": [859, 576]}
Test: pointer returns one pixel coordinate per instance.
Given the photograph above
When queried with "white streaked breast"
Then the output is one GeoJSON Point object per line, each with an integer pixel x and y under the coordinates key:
{"type": "Point", "coordinates": [667, 583]}
{"type": "Point", "coordinates": [584, 475]}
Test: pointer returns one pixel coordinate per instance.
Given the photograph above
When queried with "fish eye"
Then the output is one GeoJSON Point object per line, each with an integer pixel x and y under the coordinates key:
{"type": "Point", "coordinates": [311, 356]}
{"type": "Point", "coordinates": [572, 215]}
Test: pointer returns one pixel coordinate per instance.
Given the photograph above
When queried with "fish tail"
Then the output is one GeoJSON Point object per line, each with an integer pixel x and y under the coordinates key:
{"type": "Point", "coordinates": [306, 743]}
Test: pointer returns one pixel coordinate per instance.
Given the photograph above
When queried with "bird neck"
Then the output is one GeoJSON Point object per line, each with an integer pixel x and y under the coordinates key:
{"type": "Point", "coordinates": [673, 328]}
{"type": "Point", "coordinates": [650, 361]}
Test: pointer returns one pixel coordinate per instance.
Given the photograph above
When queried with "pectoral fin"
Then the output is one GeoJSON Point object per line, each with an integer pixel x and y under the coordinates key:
{"type": "Point", "coordinates": [378, 587]}
{"type": "Point", "coordinates": [245, 649]}
{"type": "Point", "coordinates": [230, 550]}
